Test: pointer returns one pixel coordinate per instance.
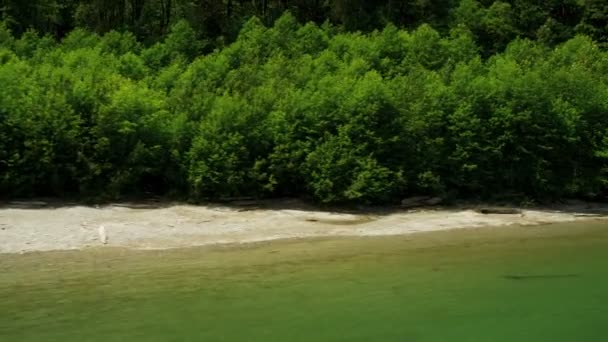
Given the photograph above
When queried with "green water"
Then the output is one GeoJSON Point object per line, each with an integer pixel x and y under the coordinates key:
{"type": "Point", "coordinates": [547, 283]}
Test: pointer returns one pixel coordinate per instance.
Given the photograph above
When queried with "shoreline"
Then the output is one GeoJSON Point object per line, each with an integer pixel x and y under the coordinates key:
{"type": "Point", "coordinates": [24, 227]}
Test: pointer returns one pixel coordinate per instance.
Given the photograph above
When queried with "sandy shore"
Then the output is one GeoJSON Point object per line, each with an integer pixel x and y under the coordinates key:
{"type": "Point", "coordinates": [25, 228]}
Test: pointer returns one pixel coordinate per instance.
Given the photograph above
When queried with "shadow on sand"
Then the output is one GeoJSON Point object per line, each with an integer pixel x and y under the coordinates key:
{"type": "Point", "coordinates": [574, 207]}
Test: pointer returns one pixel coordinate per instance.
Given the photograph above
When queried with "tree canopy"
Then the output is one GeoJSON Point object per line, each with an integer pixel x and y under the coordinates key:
{"type": "Point", "coordinates": [494, 23]}
{"type": "Point", "coordinates": [384, 100]}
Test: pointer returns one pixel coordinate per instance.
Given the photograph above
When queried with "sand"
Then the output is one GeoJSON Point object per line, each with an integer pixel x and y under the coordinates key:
{"type": "Point", "coordinates": [27, 228]}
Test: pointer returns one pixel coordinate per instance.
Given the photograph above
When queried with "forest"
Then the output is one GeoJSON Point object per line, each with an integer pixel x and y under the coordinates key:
{"type": "Point", "coordinates": [337, 101]}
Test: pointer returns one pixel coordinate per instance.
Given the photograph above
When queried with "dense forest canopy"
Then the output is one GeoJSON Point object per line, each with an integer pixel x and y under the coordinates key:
{"type": "Point", "coordinates": [494, 23]}
{"type": "Point", "coordinates": [342, 101]}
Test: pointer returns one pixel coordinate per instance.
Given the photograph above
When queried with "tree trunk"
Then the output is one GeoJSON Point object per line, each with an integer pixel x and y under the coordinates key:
{"type": "Point", "coordinates": [166, 7]}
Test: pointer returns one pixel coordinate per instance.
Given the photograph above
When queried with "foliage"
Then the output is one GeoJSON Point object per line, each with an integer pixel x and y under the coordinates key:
{"type": "Point", "coordinates": [217, 22]}
{"type": "Point", "coordinates": [309, 110]}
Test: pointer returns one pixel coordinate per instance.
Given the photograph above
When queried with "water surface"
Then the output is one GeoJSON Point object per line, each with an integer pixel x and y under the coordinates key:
{"type": "Point", "coordinates": [546, 283]}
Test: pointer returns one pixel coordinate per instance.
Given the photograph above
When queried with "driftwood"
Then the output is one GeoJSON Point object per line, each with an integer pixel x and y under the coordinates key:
{"type": "Point", "coordinates": [420, 201]}
{"type": "Point", "coordinates": [103, 236]}
{"type": "Point", "coordinates": [28, 204]}
{"type": "Point", "coordinates": [236, 199]}
{"type": "Point", "coordinates": [244, 203]}
{"type": "Point", "coordinates": [504, 211]}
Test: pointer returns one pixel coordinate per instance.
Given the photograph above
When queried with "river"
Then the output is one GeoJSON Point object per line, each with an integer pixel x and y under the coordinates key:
{"type": "Point", "coordinates": [542, 283]}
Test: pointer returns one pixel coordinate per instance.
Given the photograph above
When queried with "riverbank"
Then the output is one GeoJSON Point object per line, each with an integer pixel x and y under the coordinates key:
{"type": "Point", "coordinates": [27, 227]}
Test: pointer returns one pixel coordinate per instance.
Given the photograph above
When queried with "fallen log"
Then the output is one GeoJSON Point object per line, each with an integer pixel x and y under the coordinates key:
{"type": "Point", "coordinates": [420, 201]}
{"type": "Point", "coordinates": [502, 211]}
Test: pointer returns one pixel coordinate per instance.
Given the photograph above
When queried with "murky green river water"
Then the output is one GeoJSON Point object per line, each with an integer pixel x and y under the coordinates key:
{"type": "Point", "coordinates": [547, 283]}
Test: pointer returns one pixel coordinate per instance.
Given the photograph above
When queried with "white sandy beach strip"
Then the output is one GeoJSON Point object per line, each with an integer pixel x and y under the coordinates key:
{"type": "Point", "coordinates": [76, 227]}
